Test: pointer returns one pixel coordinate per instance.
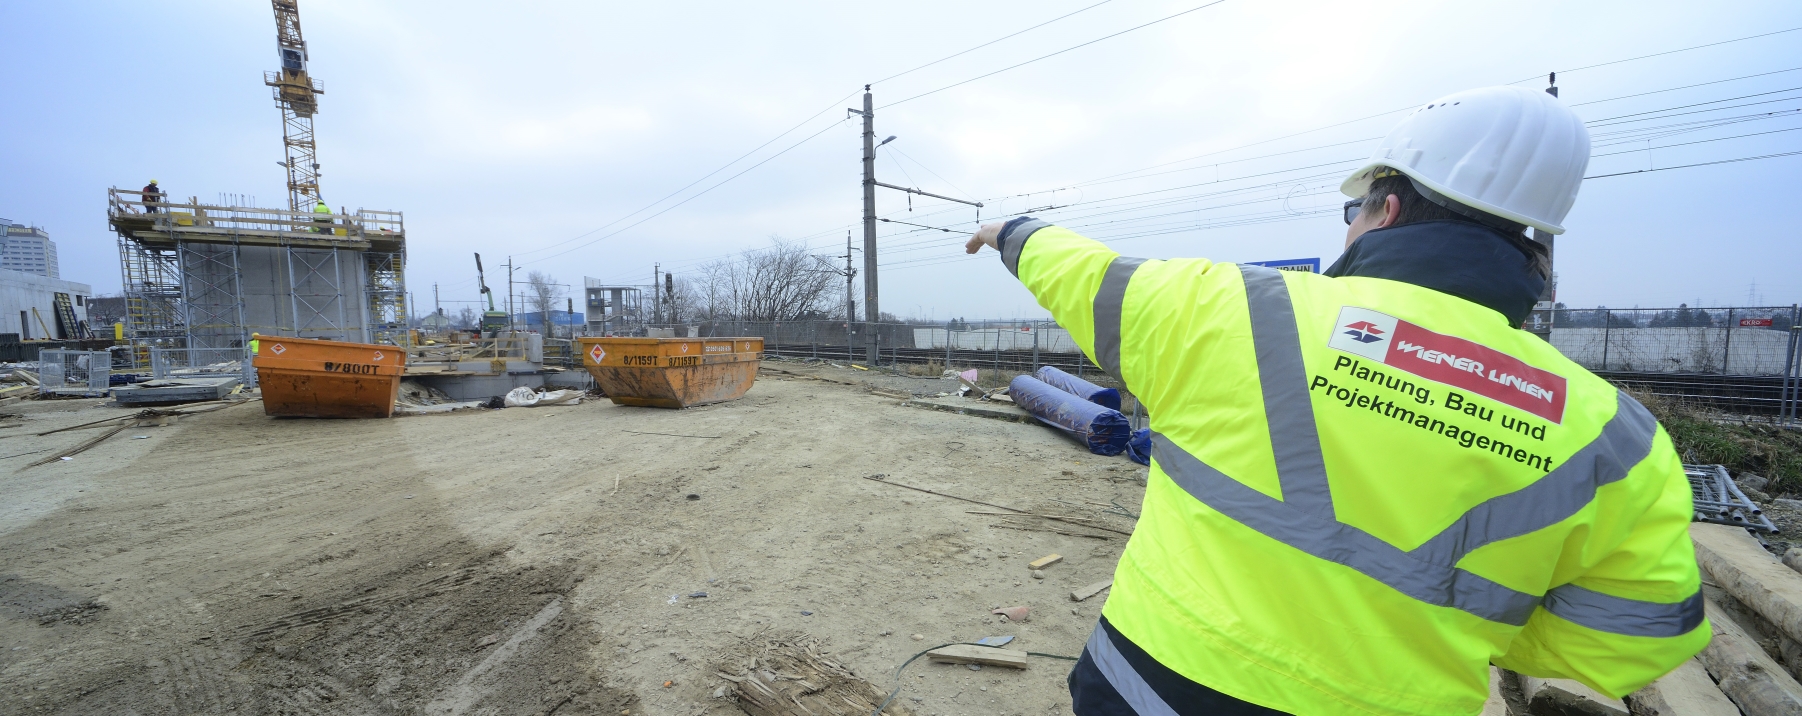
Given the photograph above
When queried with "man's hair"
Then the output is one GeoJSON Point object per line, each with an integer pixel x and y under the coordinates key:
{"type": "Point", "coordinates": [1416, 207]}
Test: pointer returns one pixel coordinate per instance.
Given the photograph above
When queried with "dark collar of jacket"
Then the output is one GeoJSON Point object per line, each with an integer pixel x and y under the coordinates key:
{"type": "Point", "coordinates": [1460, 258]}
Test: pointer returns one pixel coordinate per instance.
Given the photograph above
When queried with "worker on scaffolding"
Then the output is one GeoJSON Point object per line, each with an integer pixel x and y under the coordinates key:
{"type": "Point", "coordinates": [153, 195]}
{"type": "Point", "coordinates": [320, 208]}
{"type": "Point", "coordinates": [1368, 485]}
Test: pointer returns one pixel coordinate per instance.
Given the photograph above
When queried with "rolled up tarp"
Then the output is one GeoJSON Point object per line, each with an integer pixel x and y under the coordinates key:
{"type": "Point", "coordinates": [1104, 397]}
{"type": "Point", "coordinates": [1138, 449]}
{"type": "Point", "coordinates": [1104, 431]}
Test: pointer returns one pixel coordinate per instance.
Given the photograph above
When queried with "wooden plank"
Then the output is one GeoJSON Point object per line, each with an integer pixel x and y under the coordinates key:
{"type": "Point", "coordinates": [971, 654]}
{"type": "Point", "coordinates": [1045, 561]}
{"type": "Point", "coordinates": [1758, 580]}
{"type": "Point", "coordinates": [1686, 691]}
{"type": "Point", "coordinates": [1091, 590]}
{"type": "Point", "coordinates": [1745, 673]}
{"type": "Point", "coordinates": [1564, 696]}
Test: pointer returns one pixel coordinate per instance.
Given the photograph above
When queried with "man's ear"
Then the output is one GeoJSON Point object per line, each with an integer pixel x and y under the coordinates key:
{"type": "Point", "coordinates": [1392, 208]}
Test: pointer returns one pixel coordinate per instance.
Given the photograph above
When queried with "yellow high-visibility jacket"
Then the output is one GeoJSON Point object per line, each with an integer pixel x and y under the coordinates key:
{"type": "Point", "coordinates": [1364, 492]}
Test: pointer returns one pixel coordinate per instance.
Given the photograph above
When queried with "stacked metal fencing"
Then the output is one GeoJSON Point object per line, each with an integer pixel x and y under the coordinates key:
{"type": "Point", "coordinates": [203, 363]}
{"type": "Point", "coordinates": [74, 373]}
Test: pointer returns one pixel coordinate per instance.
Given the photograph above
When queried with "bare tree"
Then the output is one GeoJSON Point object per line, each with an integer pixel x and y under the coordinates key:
{"type": "Point", "coordinates": [544, 295]}
{"type": "Point", "coordinates": [780, 283]}
{"type": "Point", "coordinates": [467, 318]}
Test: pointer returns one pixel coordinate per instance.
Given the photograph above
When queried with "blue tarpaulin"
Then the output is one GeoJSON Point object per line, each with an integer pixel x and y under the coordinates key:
{"type": "Point", "coordinates": [1104, 397]}
{"type": "Point", "coordinates": [1103, 430]}
{"type": "Point", "coordinates": [1138, 449]}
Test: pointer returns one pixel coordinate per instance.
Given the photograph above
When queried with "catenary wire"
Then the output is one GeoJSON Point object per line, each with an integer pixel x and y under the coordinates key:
{"type": "Point", "coordinates": [992, 42]}
{"type": "Point", "coordinates": [1054, 54]}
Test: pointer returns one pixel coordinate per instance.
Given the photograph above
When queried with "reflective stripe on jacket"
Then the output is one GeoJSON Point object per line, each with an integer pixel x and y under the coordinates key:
{"type": "Point", "coordinates": [1363, 492]}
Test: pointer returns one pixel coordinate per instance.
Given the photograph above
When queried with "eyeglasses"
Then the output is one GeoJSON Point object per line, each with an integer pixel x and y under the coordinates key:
{"type": "Point", "coordinates": [1351, 210]}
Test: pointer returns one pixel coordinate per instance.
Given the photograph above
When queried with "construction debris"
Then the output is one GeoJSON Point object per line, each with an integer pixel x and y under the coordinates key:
{"type": "Point", "coordinates": [1744, 671]}
{"type": "Point", "coordinates": [984, 655]}
{"type": "Point", "coordinates": [1564, 696]}
{"type": "Point", "coordinates": [1742, 568]}
{"type": "Point", "coordinates": [1013, 614]}
{"type": "Point", "coordinates": [793, 678]}
{"type": "Point", "coordinates": [1045, 561]}
{"type": "Point", "coordinates": [1091, 590]}
{"type": "Point", "coordinates": [1719, 500]}
{"type": "Point", "coordinates": [1686, 691]}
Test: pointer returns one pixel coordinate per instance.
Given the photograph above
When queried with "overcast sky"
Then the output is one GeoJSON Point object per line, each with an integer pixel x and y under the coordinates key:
{"type": "Point", "coordinates": [524, 129]}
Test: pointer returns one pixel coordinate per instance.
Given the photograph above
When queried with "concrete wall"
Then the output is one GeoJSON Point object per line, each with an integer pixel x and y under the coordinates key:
{"type": "Point", "coordinates": [329, 290]}
{"type": "Point", "coordinates": [20, 291]}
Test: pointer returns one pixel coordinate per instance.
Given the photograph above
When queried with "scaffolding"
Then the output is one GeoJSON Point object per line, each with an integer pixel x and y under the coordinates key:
{"type": "Point", "coordinates": [202, 276]}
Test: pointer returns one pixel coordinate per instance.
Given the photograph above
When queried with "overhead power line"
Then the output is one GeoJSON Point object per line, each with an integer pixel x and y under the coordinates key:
{"type": "Point", "coordinates": [1661, 54]}
{"type": "Point", "coordinates": [1054, 54]}
{"type": "Point", "coordinates": [703, 178]}
{"type": "Point", "coordinates": [1700, 164]}
{"type": "Point", "coordinates": [992, 42]}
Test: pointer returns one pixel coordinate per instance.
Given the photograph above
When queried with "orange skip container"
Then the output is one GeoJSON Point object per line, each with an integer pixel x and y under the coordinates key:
{"type": "Point", "coordinates": [314, 378]}
{"type": "Point", "coordinates": [672, 372]}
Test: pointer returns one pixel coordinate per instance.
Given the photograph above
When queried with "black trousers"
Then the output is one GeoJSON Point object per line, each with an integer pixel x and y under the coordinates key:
{"type": "Point", "coordinates": [1093, 695]}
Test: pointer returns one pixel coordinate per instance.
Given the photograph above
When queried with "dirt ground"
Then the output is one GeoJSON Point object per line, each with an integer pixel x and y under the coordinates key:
{"type": "Point", "coordinates": [591, 559]}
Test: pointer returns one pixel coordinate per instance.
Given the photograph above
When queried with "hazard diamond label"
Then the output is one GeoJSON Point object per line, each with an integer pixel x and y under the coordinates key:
{"type": "Point", "coordinates": [685, 348]}
{"type": "Point", "coordinates": [597, 353]}
{"type": "Point", "coordinates": [378, 355]}
{"type": "Point", "coordinates": [277, 349]}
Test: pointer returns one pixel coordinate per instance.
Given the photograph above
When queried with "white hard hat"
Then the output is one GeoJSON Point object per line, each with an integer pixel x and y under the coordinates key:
{"type": "Point", "coordinates": [1512, 152]}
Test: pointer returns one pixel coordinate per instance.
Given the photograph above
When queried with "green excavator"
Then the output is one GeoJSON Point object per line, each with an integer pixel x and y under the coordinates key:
{"type": "Point", "coordinates": [492, 320]}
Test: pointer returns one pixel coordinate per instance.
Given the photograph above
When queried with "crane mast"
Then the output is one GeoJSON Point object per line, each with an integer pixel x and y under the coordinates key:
{"type": "Point", "coordinates": [297, 95]}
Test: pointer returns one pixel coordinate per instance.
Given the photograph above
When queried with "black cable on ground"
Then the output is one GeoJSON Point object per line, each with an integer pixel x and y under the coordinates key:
{"type": "Point", "coordinates": [910, 660]}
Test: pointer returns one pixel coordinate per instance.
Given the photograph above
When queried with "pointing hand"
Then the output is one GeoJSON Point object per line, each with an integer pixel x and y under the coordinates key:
{"type": "Point", "coordinates": [984, 236]}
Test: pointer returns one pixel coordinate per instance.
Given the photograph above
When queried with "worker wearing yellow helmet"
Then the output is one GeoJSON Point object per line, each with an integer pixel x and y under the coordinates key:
{"type": "Point", "coordinates": [319, 207]}
{"type": "Point", "coordinates": [1368, 485]}
{"type": "Point", "coordinates": [254, 342]}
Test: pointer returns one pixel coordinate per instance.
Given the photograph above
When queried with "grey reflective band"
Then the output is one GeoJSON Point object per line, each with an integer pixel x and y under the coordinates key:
{"type": "Point", "coordinates": [1624, 441]}
{"type": "Point", "coordinates": [1619, 615]}
{"type": "Point", "coordinates": [1125, 680]}
{"type": "Point", "coordinates": [1287, 408]}
{"type": "Point", "coordinates": [1109, 303]}
{"type": "Point", "coordinates": [1321, 536]}
{"type": "Point", "coordinates": [1011, 242]}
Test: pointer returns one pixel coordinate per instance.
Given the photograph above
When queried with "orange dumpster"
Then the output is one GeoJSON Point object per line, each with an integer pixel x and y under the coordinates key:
{"type": "Point", "coordinates": [672, 372]}
{"type": "Point", "coordinates": [313, 378]}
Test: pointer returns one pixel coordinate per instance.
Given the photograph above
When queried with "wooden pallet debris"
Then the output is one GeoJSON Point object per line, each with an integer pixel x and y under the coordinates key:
{"type": "Point", "coordinates": [793, 677]}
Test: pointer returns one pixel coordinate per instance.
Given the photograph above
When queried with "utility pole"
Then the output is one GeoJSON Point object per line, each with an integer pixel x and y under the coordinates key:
{"type": "Point", "coordinates": [510, 325]}
{"type": "Point", "coordinates": [871, 310]}
{"type": "Point", "coordinates": [436, 307]}
{"type": "Point", "coordinates": [870, 313]}
{"type": "Point", "coordinates": [850, 303]}
{"type": "Point", "coordinates": [656, 298]}
{"type": "Point", "coordinates": [569, 309]}
{"type": "Point", "coordinates": [1540, 323]}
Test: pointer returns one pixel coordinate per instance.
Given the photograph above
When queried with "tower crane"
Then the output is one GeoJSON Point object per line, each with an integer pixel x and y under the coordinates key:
{"type": "Point", "coordinates": [297, 94]}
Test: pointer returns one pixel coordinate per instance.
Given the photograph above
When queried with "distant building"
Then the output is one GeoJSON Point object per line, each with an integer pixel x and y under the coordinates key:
{"type": "Point", "coordinates": [28, 249]}
{"type": "Point", "coordinates": [28, 305]}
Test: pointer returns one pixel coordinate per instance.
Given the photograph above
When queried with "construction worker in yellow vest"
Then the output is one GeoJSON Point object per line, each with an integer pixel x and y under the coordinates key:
{"type": "Point", "coordinates": [254, 342]}
{"type": "Point", "coordinates": [1367, 485]}
{"type": "Point", "coordinates": [321, 208]}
